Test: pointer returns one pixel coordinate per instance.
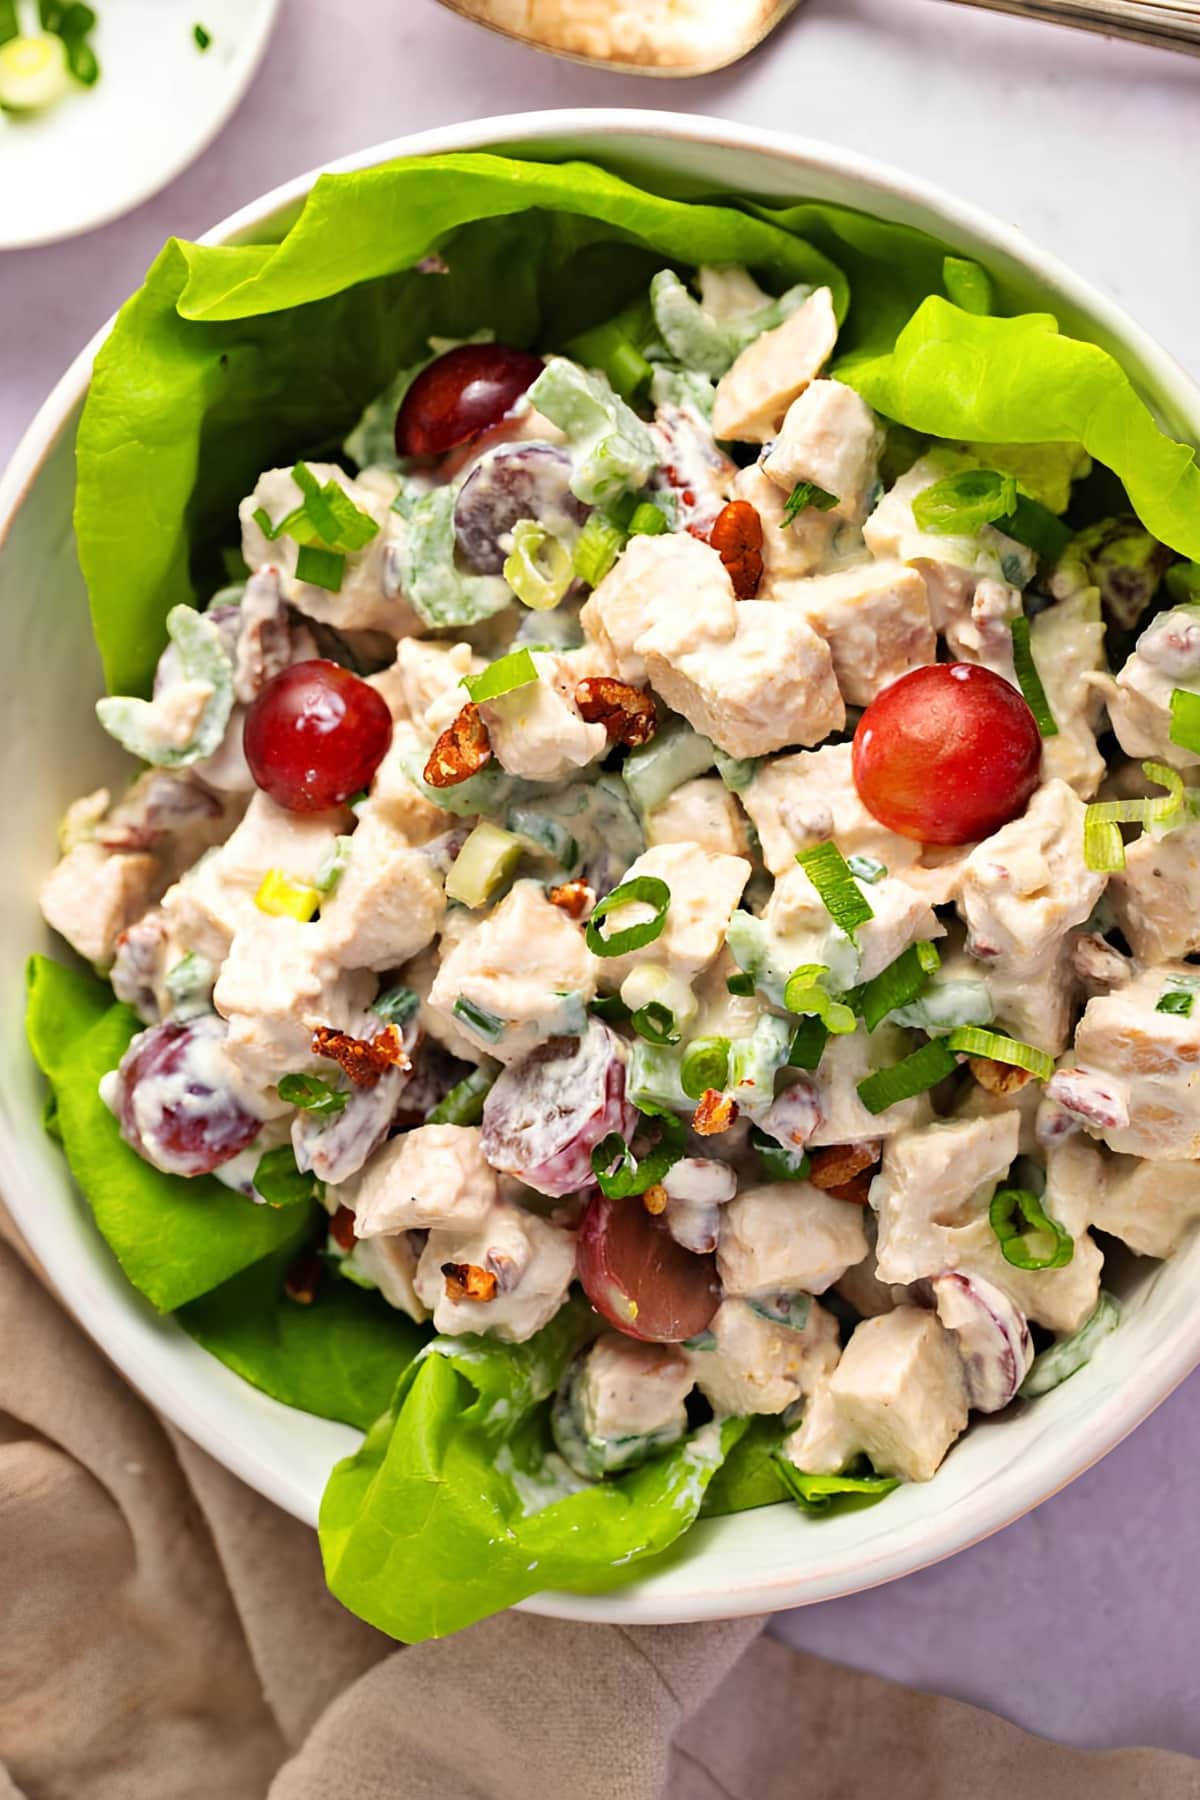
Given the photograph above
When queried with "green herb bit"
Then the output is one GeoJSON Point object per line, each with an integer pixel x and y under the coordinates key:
{"type": "Point", "coordinates": [312, 1094]}
{"type": "Point", "coordinates": [904, 1080]}
{"type": "Point", "coordinates": [396, 1005]}
{"type": "Point", "coordinates": [463, 1105]}
{"type": "Point", "coordinates": [808, 1043]}
{"type": "Point", "coordinates": [899, 984]}
{"type": "Point", "coordinates": [504, 676]}
{"type": "Point", "coordinates": [780, 1163]}
{"type": "Point", "coordinates": [826, 868]}
{"type": "Point", "coordinates": [1029, 680]}
{"type": "Point", "coordinates": [867, 868]}
{"type": "Point", "coordinates": [833, 1493]}
{"type": "Point", "coordinates": [805, 994]}
{"type": "Point", "coordinates": [597, 548]}
{"type": "Point", "coordinates": [648, 520]}
{"type": "Point", "coordinates": [705, 1065]}
{"type": "Point", "coordinates": [1016, 1217]}
{"type": "Point", "coordinates": [279, 1181]}
{"type": "Point", "coordinates": [203, 38]}
{"type": "Point", "coordinates": [1103, 849]}
{"type": "Point", "coordinates": [323, 568]}
{"type": "Point", "coordinates": [610, 1007]}
{"type": "Point", "coordinates": [741, 984]}
{"type": "Point", "coordinates": [656, 1023]}
{"type": "Point", "coordinates": [486, 1025]}
{"type": "Point", "coordinates": [972, 1040]}
{"type": "Point", "coordinates": [650, 891]}
{"type": "Point", "coordinates": [618, 1173]}
{"type": "Point", "coordinates": [960, 505]}
{"type": "Point", "coordinates": [538, 568]}
{"type": "Point", "coordinates": [806, 494]}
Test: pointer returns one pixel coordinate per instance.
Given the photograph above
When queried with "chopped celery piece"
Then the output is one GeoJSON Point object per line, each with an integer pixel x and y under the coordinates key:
{"type": "Point", "coordinates": [138, 725]}
{"type": "Point", "coordinates": [737, 772]}
{"type": "Point", "coordinates": [674, 755]}
{"type": "Point", "coordinates": [755, 1061]}
{"type": "Point", "coordinates": [597, 548]}
{"type": "Point", "coordinates": [487, 858]}
{"type": "Point", "coordinates": [613, 451]}
{"type": "Point", "coordinates": [652, 1077]}
{"type": "Point", "coordinates": [463, 1105]}
{"type": "Point", "coordinates": [427, 571]}
{"type": "Point", "coordinates": [947, 1004]}
{"type": "Point", "coordinates": [1063, 1359]}
{"type": "Point", "coordinates": [545, 834]}
{"type": "Point", "coordinates": [700, 339]}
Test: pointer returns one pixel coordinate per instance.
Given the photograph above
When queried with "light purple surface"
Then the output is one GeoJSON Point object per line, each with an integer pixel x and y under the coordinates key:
{"type": "Point", "coordinates": [1080, 1622]}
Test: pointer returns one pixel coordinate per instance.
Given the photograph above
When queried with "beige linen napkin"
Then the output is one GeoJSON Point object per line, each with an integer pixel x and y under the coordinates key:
{"type": "Point", "coordinates": [165, 1634]}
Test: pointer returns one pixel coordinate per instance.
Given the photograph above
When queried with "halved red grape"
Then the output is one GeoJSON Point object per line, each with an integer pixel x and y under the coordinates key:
{"type": "Point", "coordinates": [638, 1278]}
{"type": "Point", "coordinates": [947, 754]}
{"type": "Point", "coordinates": [511, 482]}
{"type": "Point", "coordinates": [460, 394]}
{"type": "Point", "coordinates": [545, 1114]}
{"type": "Point", "coordinates": [172, 1104]}
{"type": "Point", "coordinates": [315, 735]}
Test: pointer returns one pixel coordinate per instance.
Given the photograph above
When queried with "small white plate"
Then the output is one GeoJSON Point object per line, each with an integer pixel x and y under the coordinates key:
{"type": "Point", "coordinates": [159, 102]}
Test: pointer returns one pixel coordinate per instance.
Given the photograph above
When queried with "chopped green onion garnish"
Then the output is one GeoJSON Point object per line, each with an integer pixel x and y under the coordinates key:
{"type": "Point", "coordinates": [737, 772]}
{"type": "Point", "coordinates": [1029, 680]}
{"type": "Point", "coordinates": [705, 1065]}
{"type": "Point", "coordinates": [806, 494]}
{"type": "Point", "coordinates": [332, 866]}
{"type": "Point", "coordinates": [538, 568]}
{"type": "Point", "coordinates": [279, 1181]}
{"type": "Point", "coordinates": [323, 568]}
{"type": "Point", "coordinates": [808, 1043]}
{"type": "Point", "coordinates": [325, 516]}
{"type": "Point", "coordinates": [915, 1075]}
{"type": "Point", "coordinates": [629, 1176]}
{"type": "Point", "coordinates": [739, 984]}
{"type": "Point", "coordinates": [866, 868]}
{"type": "Point", "coordinates": [1185, 720]}
{"type": "Point", "coordinates": [1065, 1358]}
{"type": "Point", "coordinates": [1176, 1000]}
{"type": "Point", "coordinates": [972, 1040]}
{"type": "Point", "coordinates": [826, 868]}
{"type": "Point", "coordinates": [312, 1094]}
{"type": "Point", "coordinates": [610, 1007]}
{"type": "Point", "coordinates": [1103, 849]}
{"type": "Point", "coordinates": [478, 1019]}
{"type": "Point", "coordinates": [1034, 525]}
{"type": "Point", "coordinates": [516, 670]}
{"type": "Point", "coordinates": [804, 994]}
{"type": "Point", "coordinates": [647, 889]}
{"type": "Point", "coordinates": [780, 1163]}
{"type": "Point", "coordinates": [656, 1023]}
{"type": "Point", "coordinates": [648, 520]}
{"type": "Point", "coordinates": [203, 38]}
{"type": "Point", "coordinates": [463, 1105]}
{"type": "Point", "coordinates": [961, 504]}
{"type": "Point", "coordinates": [396, 1005]}
{"type": "Point", "coordinates": [792, 1310]}
{"type": "Point", "coordinates": [597, 548]}
{"type": "Point", "coordinates": [1016, 1215]}
{"type": "Point", "coordinates": [899, 984]}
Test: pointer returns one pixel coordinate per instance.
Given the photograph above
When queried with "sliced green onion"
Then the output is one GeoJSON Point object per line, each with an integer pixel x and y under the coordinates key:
{"type": "Point", "coordinates": [203, 38]}
{"type": "Point", "coordinates": [279, 1182]}
{"type": "Point", "coordinates": [1185, 719]}
{"type": "Point", "coordinates": [647, 889]}
{"type": "Point", "coordinates": [504, 676]}
{"type": "Point", "coordinates": [792, 1310]}
{"type": "Point", "coordinates": [463, 1105]}
{"type": "Point", "coordinates": [1065, 1358]}
{"type": "Point", "coordinates": [826, 868]}
{"type": "Point", "coordinates": [899, 984]}
{"type": "Point", "coordinates": [597, 548]}
{"type": "Point", "coordinates": [833, 1493]}
{"type": "Point", "coordinates": [806, 494]}
{"type": "Point", "coordinates": [323, 568]}
{"type": "Point", "coordinates": [705, 1065]}
{"type": "Point", "coordinates": [960, 505]}
{"type": "Point", "coordinates": [967, 285]}
{"type": "Point", "coordinates": [1103, 846]}
{"type": "Point", "coordinates": [618, 1173]}
{"type": "Point", "coordinates": [1016, 1216]}
{"type": "Point", "coordinates": [866, 868]}
{"type": "Point", "coordinates": [648, 520]}
{"type": "Point", "coordinates": [737, 772]}
{"type": "Point", "coordinates": [804, 994]}
{"type": "Point", "coordinates": [331, 513]}
{"type": "Point", "coordinates": [34, 72]}
{"type": "Point", "coordinates": [972, 1040]}
{"type": "Point", "coordinates": [740, 983]}
{"type": "Point", "coordinates": [538, 568]}
{"type": "Point", "coordinates": [1028, 679]}
{"type": "Point", "coordinates": [1103, 849]}
{"type": "Point", "coordinates": [332, 866]}
{"type": "Point", "coordinates": [1176, 1000]}
{"type": "Point", "coordinates": [656, 1023]}
{"type": "Point", "coordinates": [780, 1163]}
{"type": "Point", "coordinates": [1034, 525]}
{"type": "Point", "coordinates": [396, 1005]}
{"type": "Point", "coordinates": [808, 1043]}
{"type": "Point", "coordinates": [478, 1019]}
{"type": "Point", "coordinates": [611, 1007]}
{"type": "Point", "coordinates": [904, 1080]}
{"type": "Point", "coordinates": [312, 1094]}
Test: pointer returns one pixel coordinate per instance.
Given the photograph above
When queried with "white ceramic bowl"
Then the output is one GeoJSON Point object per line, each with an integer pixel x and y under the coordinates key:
{"type": "Point", "coordinates": [52, 750]}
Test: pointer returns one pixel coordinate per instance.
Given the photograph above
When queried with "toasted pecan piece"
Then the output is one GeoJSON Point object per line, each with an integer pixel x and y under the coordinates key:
{"type": "Point", "coordinates": [341, 1228]}
{"type": "Point", "coordinates": [715, 1113]}
{"type": "Point", "coordinates": [627, 713]}
{"type": "Point", "coordinates": [655, 1198]}
{"type": "Point", "coordinates": [838, 1164]}
{"type": "Point", "coordinates": [997, 1077]}
{"type": "Point", "coordinates": [467, 1281]}
{"type": "Point", "coordinates": [857, 1190]}
{"type": "Point", "coordinates": [575, 898]}
{"type": "Point", "coordinates": [363, 1060]}
{"type": "Point", "coordinates": [737, 538]}
{"type": "Point", "coordinates": [462, 750]}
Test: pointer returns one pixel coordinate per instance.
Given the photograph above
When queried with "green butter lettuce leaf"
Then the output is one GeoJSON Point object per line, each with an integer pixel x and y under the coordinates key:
{"type": "Point", "coordinates": [456, 1507]}
{"type": "Point", "coordinates": [824, 1494]}
{"type": "Point", "coordinates": [956, 375]}
{"type": "Point", "coordinates": [339, 1357]}
{"type": "Point", "coordinates": [750, 1475]}
{"type": "Point", "coordinates": [173, 1238]}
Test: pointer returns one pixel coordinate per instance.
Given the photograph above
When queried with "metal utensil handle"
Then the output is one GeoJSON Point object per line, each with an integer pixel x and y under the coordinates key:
{"type": "Point", "coordinates": [1173, 26]}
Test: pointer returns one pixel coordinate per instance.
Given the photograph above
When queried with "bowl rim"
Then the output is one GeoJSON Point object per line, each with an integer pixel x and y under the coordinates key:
{"type": "Point", "coordinates": [709, 1595]}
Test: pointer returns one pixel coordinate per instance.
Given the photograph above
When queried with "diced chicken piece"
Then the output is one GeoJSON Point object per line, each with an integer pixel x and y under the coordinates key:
{"type": "Point", "coordinates": [420, 974]}
{"type": "Point", "coordinates": [847, 1061]}
{"type": "Point", "coordinates": [976, 1102]}
{"type": "Point", "coordinates": [760, 1366]}
{"type": "Point", "coordinates": [862, 1288]}
{"type": "Point", "coordinates": [388, 904]}
{"type": "Point", "coordinates": [536, 731]}
{"type": "Point", "coordinates": [831, 438]}
{"type": "Point", "coordinates": [1137, 1079]}
{"type": "Point", "coordinates": [94, 895]}
{"type": "Point", "coordinates": [1156, 896]}
{"type": "Point", "coordinates": [789, 552]}
{"type": "Point", "coordinates": [703, 813]}
{"type": "Point", "coordinates": [629, 1389]}
{"type": "Point", "coordinates": [390, 1264]}
{"type": "Point", "coordinates": [772, 685]}
{"type": "Point", "coordinates": [1149, 1206]}
{"type": "Point", "coordinates": [423, 676]}
{"type": "Point", "coordinates": [933, 1179]}
{"type": "Point", "coordinates": [1022, 892]}
{"type": "Point", "coordinates": [951, 565]}
{"type": "Point", "coordinates": [1167, 656]}
{"type": "Point", "coordinates": [787, 1237]}
{"type": "Point", "coordinates": [1098, 966]}
{"type": "Point", "coordinates": [982, 633]}
{"type": "Point", "coordinates": [527, 967]}
{"type": "Point", "coordinates": [362, 602]}
{"type": "Point", "coordinates": [804, 932]}
{"type": "Point", "coordinates": [875, 619]}
{"type": "Point", "coordinates": [394, 797]}
{"type": "Point", "coordinates": [1067, 641]}
{"type": "Point", "coordinates": [207, 905]}
{"type": "Point", "coordinates": [899, 1395]}
{"type": "Point", "coordinates": [533, 1263]}
{"type": "Point", "coordinates": [275, 987]}
{"type": "Point", "coordinates": [774, 370]}
{"type": "Point", "coordinates": [673, 583]}
{"type": "Point", "coordinates": [705, 890]}
{"type": "Point", "coordinates": [434, 1176]}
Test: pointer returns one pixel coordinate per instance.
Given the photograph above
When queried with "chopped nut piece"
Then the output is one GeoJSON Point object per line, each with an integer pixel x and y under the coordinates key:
{"type": "Point", "coordinates": [341, 1228]}
{"type": "Point", "coordinates": [998, 1077]}
{"type": "Point", "coordinates": [304, 1278]}
{"type": "Point", "coordinates": [737, 537]}
{"type": "Point", "coordinates": [655, 1198]}
{"type": "Point", "coordinates": [627, 713]}
{"type": "Point", "coordinates": [833, 1167]}
{"type": "Point", "coordinates": [467, 1281]}
{"type": "Point", "coordinates": [363, 1060]}
{"type": "Point", "coordinates": [856, 1190]}
{"type": "Point", "coordinates": [575, 898]}
{"type": "Point", "coordinates": [462, 750]}
{"type": "Point", "coordinates": [715, 1113]}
